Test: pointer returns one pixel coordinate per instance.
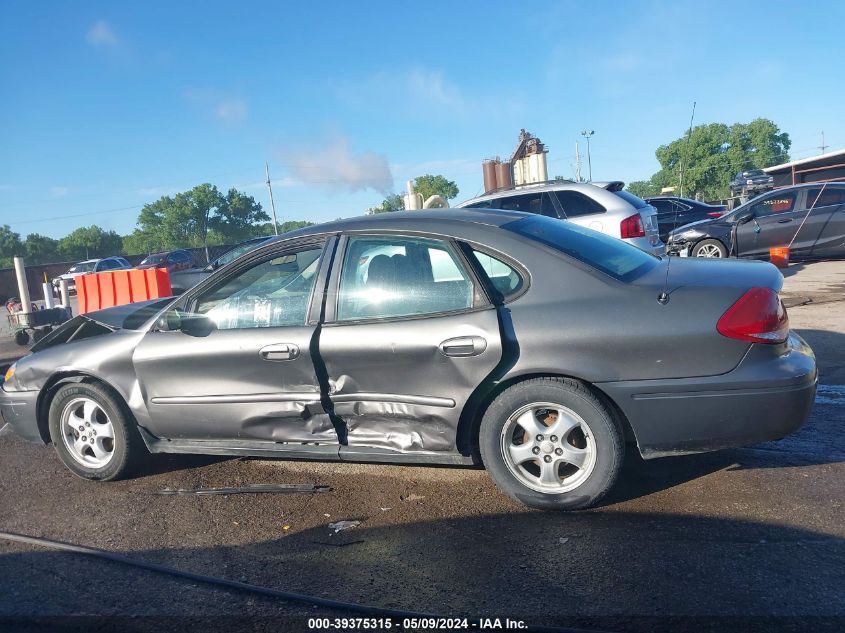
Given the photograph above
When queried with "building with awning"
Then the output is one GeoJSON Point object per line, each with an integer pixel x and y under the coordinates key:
{"type": "Point", "coordinates": [822, 168]}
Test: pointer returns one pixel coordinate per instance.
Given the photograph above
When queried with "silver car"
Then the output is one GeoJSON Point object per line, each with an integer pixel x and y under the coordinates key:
{"type": "Point", "coordinates": [534, 346]}
{"type": "Point", "coordinates": [601, 206]}
{"type": "Point", "coordinates": [90, 266]}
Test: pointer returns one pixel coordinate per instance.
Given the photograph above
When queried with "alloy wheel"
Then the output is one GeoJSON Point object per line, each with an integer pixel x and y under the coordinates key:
{"type": "Point", "coordinates": [709, 250]}
{"type": "Point", "coordinates": [548, 448]}
{"type": "Point", "coordinates": [87, 432]}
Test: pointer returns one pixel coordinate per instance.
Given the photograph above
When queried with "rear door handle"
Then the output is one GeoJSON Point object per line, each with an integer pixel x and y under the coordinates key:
{"type": "Point", "coordinates": [464, 346]}
{"type": "Point", "coordinates": [279, 351]}
{"type": "Point", "coordinates": [784, 220]}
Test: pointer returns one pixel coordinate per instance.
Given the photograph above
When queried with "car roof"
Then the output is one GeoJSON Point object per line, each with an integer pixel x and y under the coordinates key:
{"type": "Point", "coordinates": [421, 220]}
{"type": "Point", "coordinates": [556, 185]}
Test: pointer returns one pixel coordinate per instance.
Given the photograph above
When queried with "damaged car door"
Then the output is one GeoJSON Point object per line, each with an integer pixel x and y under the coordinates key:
{"type": "Point", "coordinates": [408, 337]}
{"type": "Point", "coordinates": [231, 362]}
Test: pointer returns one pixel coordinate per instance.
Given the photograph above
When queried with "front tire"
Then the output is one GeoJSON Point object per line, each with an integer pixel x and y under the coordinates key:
{"type": "Point", "coordinates": [93, 435]}
{"type": "Point", "coordinates": [551, 443]}
{"type": "Point", "coordinates": [709, 249]}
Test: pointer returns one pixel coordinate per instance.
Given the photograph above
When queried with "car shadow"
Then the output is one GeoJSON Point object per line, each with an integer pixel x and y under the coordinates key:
{"type": "Point", "coordinates": [614, 571]}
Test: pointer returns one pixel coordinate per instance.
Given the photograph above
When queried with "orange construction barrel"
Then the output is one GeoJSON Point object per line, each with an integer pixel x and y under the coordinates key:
{"type": "Point", "coordinates": [779, 256]}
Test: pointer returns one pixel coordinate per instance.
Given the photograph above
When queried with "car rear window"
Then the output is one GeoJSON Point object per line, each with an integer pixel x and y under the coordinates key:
{"type": "Point", "coordinates": [607, 254]}
{"type": "Point", "coordinates": [635, 201]}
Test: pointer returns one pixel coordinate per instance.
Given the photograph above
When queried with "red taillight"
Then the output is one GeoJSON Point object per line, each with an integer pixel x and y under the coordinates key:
{"type": "Point", "coordinates": [758, 316]}
{"type": "Point", "coordinates": [632, 227]}
{"type": "Point", "coordinates": [716, 214]}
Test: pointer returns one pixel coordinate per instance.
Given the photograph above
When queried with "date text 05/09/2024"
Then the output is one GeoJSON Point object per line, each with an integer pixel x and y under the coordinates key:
{"type": "Point", "coordinates": [416, 624]}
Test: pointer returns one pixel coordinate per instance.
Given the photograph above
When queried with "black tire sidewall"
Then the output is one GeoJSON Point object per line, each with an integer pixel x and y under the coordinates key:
{"type": "Point", "coordinates": [606, 433]}
{"type": "Point", "coordinates": [122, 431]}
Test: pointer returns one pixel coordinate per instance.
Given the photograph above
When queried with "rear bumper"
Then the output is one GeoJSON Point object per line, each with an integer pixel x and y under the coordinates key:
{"type": "Point", "coordinates": [644, 244]}
{"type": "Point", "coordinates": [18, 409]}
{"type": "Point", "coordinates": [768, 396]}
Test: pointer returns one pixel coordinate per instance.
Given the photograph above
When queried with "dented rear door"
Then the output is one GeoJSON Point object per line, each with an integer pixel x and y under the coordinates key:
{"type": "Point", "coordinates": [408, 337]}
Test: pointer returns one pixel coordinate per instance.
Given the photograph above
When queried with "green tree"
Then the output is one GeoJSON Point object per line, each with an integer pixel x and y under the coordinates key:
{"type": "Point", "coordinates": [284, 227]}
{"type": "Point", "coordinates": [199, 217]}
{"type": "Point", "coordinates": [712, 154]}
{"type": "Point", "coordinates": [88, 242]}
{"type": "Point", "coordinates": [10, 246]}
{"type": "Point", "coordinates": [393, 202]}
{"type": "Point", "coordinates": [429, 185]}
{"type": "Point", "coordinates": [40, 249]}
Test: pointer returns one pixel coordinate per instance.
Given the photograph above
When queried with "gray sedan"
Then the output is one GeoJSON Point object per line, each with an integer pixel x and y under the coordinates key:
{"type": "Point", "coordinates": [534, 346]}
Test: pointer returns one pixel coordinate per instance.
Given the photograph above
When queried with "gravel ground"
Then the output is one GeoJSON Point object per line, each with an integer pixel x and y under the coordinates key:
{"type": "Point", "coordinates": [748, 539]}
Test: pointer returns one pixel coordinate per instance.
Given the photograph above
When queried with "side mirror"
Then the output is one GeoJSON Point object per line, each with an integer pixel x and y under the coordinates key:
{"type": "Point", "coordinates": [745, 218]}
{"type": "Point", "coordinates": [196, 325]}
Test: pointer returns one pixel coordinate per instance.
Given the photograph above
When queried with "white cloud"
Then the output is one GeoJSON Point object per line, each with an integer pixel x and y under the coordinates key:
{"type": "Point", "coordinates": [423, 93]}
{"type": "Point", "coordinates": [231, 110]}
{"type": "Point", "coordinates": [59, 192]}
{"type": "Point", "coordinates": [336, 168]}
{"type": "Point", "coordinates": [226, 108]}
{"type": "Point", "coordinates": [102, 35]}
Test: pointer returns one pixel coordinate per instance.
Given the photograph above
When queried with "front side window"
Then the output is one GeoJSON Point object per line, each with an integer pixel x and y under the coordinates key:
{"type": "Point", "coordinates": [401, 276]}
{"type": "Point", "coordinates": [778, 203]}
{"type": "Point", "coordinates": [273, 293]}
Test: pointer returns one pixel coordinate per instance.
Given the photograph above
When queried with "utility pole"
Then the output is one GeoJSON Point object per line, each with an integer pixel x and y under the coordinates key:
{"type": "Point", "coordinates": [272, 204]}
{"type": "Point", "coordinates": [823, 147]}
{"type": "Point", "coordinates": [587, 134]}
{"type": "Point", "coordinates": [577, 163]}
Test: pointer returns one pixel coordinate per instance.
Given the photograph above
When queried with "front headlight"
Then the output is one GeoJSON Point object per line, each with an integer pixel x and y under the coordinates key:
{"type": "Point", "coordinates": [10, 372]}
{"type": "Point", "coordinates": [8, 381]}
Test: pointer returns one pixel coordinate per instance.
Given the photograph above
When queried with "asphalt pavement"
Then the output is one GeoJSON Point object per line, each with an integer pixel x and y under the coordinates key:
{"type": "Point", "coordinates": [747, 539]}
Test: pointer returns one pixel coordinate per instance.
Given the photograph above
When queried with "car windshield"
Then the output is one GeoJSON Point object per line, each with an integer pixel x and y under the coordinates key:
{"type": "Point", "coordinates": [82, 267]}
{"type": "Point", "coordinates": [635, 201]}
{"type": "Point", "coordinates": [153, 259]}
{"type": "Point", "coordinates": [607, 254]}
{"type": "Point", "coordinates": [755, 172]}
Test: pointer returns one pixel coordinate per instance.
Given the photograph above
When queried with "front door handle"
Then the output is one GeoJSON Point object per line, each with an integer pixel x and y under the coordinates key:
{"type": "Point", "coordinates": [784, 220]}
{"type": "Point", "coordinates": [464, 346]}
{"type": "Point", "coordinates": [279, 351]}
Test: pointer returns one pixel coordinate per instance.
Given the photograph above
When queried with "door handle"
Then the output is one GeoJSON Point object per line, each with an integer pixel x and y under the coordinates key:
{"type": "Point", "coordinates": [279, 351]}
{"type": "Point", "coordinates": [784, 220]}
{"type": "Point", "coordinates": [464, 346]}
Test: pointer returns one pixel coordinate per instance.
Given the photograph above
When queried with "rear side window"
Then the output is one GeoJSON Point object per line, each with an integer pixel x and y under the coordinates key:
{"type": "Point", "coordinates": [575, 204]}
{"type": "Point", "coordinates": [827, 197]}
{"type": "Point", "coordinates": [607, 254]}
{"type": "Point", "coordinates": [635, 201]}
{"type": "Point", "coordinates": [384, 277]}
{"type": "Point", "coordinates": [503, 277]}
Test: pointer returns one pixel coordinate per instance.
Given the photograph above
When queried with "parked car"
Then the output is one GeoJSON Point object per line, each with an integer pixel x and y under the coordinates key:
{"type": "Point", "coordinates": [772, 220]}
{"type": "Point", "coordinates": [181, 280]}
{"type": "Point", "coordinates": [604, 207]}
{"type": "Point", "coordinates": [90, 266]}
{"type": "Point", "coordinates": [750, 182]}
{"type": "Point", "coordinates": [171, 260]}
{"type": "Point", "coordinates": [535, 346]}
{"type": "Point", "coordinates": [674, 212]}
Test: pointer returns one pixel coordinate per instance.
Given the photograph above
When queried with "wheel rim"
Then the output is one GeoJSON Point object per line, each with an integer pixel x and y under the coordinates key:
{"type": "Point", "coordinates": [87, 432]}
{"type": "Point", "coordinates": [548, 448]}
{"type": "Point", "coordinates": [709, 250]}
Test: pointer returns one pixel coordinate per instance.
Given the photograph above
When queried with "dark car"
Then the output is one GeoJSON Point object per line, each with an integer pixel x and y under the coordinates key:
{"type": "Point", "coordinates": [779, 218]}
{"type": "Point", "coordinates": [674, 212]}
{"type": "Point", "coordinates": [750, 182]}
{"type": "Point", "coordinates": [444, 336]}
{"type": "Point", "coordinates": [171, 260]}
{"type": "Point", "coordinates": [181, 280]}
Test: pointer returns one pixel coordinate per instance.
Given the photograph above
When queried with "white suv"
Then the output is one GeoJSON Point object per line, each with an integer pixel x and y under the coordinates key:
{"type": "Point", "coordinates": [603, 207]}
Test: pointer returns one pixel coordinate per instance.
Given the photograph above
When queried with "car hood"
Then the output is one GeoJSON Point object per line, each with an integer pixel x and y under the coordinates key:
{"type": "Point", "coordinates": [132, 316]}
{"type": "Point", "coordinates": [701, 225]}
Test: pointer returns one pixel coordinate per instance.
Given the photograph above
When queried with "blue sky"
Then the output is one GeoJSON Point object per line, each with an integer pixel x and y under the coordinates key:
{"type": "Point", "coordinates": [107, 106]}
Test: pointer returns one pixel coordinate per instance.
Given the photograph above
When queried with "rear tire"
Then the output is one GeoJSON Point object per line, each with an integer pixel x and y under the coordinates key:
{"type": "Point", "coordinates": [552, 444]}
{"type": "Point", "coordinates": [710, 249]}
{"type": "Point", "coordinates": [93, 435]}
